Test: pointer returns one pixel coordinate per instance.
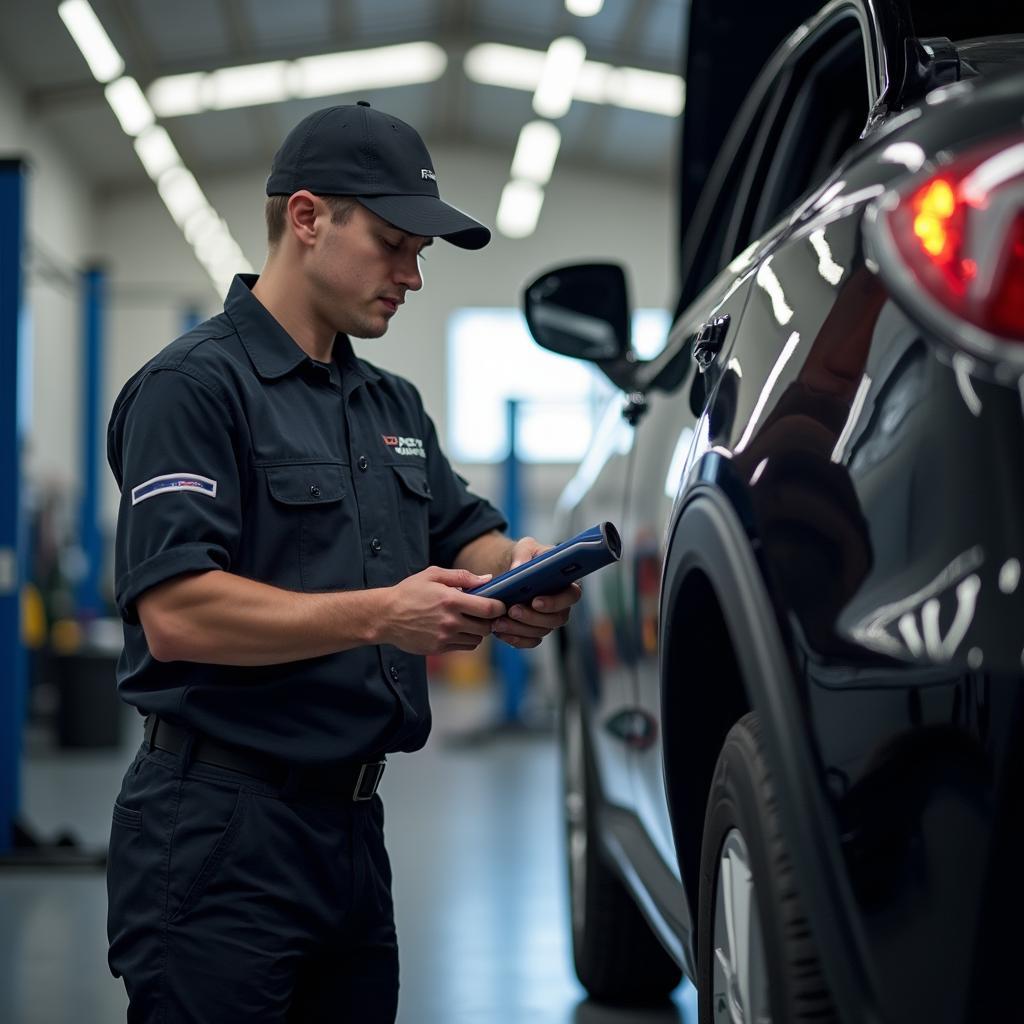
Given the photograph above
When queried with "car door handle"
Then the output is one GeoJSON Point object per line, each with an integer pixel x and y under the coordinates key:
{"type": "Point", "coordinates": [635, 407]}
{"type": "Point", "coordinates": [709, 341]}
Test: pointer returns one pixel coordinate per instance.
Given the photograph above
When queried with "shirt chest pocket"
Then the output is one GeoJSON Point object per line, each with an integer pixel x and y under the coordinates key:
{"type": "Point", "coordinates": [414, 499]}
{"type": "Point", "coordinates": [314, 532]}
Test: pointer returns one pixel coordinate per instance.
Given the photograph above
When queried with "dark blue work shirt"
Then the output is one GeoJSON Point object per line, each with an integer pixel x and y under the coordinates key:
{"type": "Point", "coordinates": [234, 450]}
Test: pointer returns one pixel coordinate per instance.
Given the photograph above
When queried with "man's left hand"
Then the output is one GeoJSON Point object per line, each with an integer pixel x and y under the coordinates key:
{"type": "Point", "coordinates": [525, 626]}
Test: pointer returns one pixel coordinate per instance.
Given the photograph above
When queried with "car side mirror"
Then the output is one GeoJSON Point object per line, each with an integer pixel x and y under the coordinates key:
{"type": "Point", "coordinates": [583, 311]}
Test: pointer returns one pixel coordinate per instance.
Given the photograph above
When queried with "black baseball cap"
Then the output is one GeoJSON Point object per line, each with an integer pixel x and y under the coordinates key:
{"type": "Point", "coordinates": [377, 159]}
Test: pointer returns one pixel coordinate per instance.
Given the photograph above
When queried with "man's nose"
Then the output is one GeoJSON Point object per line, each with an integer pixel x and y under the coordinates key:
{"type": "Point", "coordinates": [409, 274]}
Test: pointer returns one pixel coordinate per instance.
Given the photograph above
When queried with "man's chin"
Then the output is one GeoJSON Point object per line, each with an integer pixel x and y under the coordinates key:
{"type": "Point", "coordinates": [369, 329]}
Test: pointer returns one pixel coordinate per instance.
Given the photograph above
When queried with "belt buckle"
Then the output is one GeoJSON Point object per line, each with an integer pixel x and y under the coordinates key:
{"type": "Point", "coordinates": [368, 780]}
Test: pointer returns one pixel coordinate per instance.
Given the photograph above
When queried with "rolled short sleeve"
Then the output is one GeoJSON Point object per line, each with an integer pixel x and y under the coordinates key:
{"type": "Point", "coordinates": [457, 515]}
{"type": "Point", "coordinates": [171, 446]}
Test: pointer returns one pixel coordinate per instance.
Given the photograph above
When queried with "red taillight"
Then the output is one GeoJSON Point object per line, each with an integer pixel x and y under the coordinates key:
{"type": "Point", "coordinates": [960, 233]}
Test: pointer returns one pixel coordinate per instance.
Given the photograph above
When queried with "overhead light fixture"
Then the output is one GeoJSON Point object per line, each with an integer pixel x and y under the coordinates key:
{"type": "Point", "coordinates": [536, 151]}
{"type": "Point", "coordinates": [652, 91]}
{"type": "Point", "coordinates": [384, 67]}
{"type": "Point", "coordinates": [199, 224]}
{"type": "Point", "coordinates": [584, 8]}
{"type": "Point", "coordinates": [208, 235]}
{"type": "Point", "coordinates": [557, 83]}
{"type": "Point", "coordinates": [247, 85]}
{"type": "Point", "coordinates": [130, 108]}
{"type": "Point", "coordinates": [519, 208]}
{"type": "Point", "coordinates": [514, 67]}
{"type": "Point", "coordinates": [99, 52]}
{"type": "Point", "coordinates": [177, 94]}
{"type": "Point", "coordinates": [326, 74]}
{"type": "Point", "coordinates": [181, 194]}
{"type": "Point", "coordinates": [156, 151]}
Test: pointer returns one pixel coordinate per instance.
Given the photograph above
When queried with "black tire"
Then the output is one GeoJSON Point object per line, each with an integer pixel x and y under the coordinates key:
{"type": "Point", "coordinates": [742, 821]}
{"type": "Point", "coordinates": [617, 957]}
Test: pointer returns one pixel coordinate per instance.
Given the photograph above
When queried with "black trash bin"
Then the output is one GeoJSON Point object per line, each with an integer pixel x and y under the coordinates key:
{"type": "Point", "coordinates": [88, 708]}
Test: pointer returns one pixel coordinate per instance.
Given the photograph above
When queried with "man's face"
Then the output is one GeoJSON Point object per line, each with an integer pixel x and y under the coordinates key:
{"type": "Point", "coordinates": [360, 271]}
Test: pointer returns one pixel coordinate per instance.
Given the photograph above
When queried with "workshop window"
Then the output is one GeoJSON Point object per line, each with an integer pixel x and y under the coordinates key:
{"type": "Point", "coordinates": [492, 358]}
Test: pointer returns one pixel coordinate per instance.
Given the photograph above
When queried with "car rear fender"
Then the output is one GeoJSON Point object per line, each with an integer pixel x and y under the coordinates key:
{"type": "Point", "coordinates": [711, 558]}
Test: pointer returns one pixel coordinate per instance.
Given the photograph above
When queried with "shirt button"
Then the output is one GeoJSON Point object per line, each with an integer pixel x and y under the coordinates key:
{"type": "Point", "coordinates": [375, 545]}
{"type": "Point", "coordinates": [314, 490]}
{"type": "Point", "coordinates": [393, 672]}
{"type": "Point", "coordinates": [363, 463]}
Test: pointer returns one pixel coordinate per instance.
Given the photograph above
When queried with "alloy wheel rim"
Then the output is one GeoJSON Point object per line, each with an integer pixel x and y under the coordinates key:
{"type": "Point", "coordinates": [739, 969]}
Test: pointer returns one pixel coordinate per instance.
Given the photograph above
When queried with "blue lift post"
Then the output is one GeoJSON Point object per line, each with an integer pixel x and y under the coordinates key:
{"type": "Point", "coordinates": [511, 663]}
{"type": "Point", "coordinates": [190, 317]}
{"type": "Point", "coordinates": [90, 537]}
{"type": "Point", "coordinates": [13, 680]}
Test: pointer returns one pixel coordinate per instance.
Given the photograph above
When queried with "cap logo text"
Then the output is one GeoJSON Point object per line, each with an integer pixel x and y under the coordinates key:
{"type": "Point", "coordinates": [427, 174]}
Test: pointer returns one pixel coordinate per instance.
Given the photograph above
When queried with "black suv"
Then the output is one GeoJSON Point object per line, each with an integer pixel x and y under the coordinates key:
{"type": "Point", "coordinates": [792, 726]}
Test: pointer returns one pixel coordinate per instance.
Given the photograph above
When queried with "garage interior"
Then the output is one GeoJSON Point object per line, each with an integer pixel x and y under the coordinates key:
{"type": "Point", "coordinates": [108, 277]}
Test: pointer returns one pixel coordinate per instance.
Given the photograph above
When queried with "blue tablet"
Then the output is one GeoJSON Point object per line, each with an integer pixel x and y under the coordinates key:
{"type": "Point", "coordinates": [555, 569]}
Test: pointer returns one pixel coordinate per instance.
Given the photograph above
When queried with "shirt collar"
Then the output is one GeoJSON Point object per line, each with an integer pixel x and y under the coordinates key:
{"type": "Point", "coordinates": [271, 348]}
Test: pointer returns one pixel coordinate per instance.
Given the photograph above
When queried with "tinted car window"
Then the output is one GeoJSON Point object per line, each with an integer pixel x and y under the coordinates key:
{"type": "Point", "coordinates": [820, 93]}
{"type": "Point", "coordinates": [706, 233]}
{"type": "Point", "coordinates": [956, 19]}
{"type": "Point", "coordinates": [829, 106]}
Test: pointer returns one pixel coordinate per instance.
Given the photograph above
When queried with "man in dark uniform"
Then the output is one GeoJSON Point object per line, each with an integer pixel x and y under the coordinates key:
{"type": "Point", "coordinates": [291, 542]}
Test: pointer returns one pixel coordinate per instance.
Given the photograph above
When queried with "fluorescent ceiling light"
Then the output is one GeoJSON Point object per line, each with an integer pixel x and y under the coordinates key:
{"type": "Point", "coordinates": [536, 152]}
{"type": "Point", "coordinates": [327, 74]}
{"type": "Point", "coordinates": [513, 67]}
{"type": "Point", "coordinates": [557, 83]}
{"type": "Point", "coordinates": [217, 246]}
{"type": "Point", "coordinates": [652, 91]}
{"type": "Point", "coordinates": [104, 61]}
{"type": "Point", "coordinates": [246, 85]}
{"type": "Point", "coordinates": [177, 94]}
{"type": "Point", "coordinates": [519, 208]}
{"type": "Point", "coordinates": [181, 194]}
{"type": "Point", "coordinates": [178, 188]}
{"type": "Point", "coordinates": [381, 68]}
{"type": "Point", "coordinates": [129, 105]}
{"type": "Point", "coordinates": [200, 222]}
{"type": "Point", "coordinates": [584, 8]}
{"type": "Point", "coordinates": [510, 66]}
{"type": "Point", "coordinates": [156, 151]}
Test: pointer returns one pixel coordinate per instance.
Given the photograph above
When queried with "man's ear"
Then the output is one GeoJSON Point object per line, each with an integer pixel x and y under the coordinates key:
{"type": "Point", "coordinates": [301, 215]}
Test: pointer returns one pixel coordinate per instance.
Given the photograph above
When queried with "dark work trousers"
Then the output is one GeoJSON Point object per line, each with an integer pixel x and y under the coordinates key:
{"type": "Point", "coordinates": [233, 900]}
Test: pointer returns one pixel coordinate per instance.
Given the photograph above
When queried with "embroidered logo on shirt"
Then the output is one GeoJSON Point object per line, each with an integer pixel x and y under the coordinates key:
{"type": "Point", "coordinates": [170, 482]}
{"type": "Point", "coordinates": [405, 445]}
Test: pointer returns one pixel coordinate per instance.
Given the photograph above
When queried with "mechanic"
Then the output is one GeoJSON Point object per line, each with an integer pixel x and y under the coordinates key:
{"type": "Point", "coordinates": [291, 542]}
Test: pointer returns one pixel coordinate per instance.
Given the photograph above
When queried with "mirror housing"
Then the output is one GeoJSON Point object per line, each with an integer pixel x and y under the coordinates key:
{"type": "Point", "coordinates": [583, 311]}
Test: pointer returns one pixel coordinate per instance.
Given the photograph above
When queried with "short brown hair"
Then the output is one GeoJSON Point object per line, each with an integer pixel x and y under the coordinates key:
{"type": "Point", "coordinates": [276, 207]}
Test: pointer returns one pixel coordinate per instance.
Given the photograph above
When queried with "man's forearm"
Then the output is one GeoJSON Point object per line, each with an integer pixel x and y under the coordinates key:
{"type": "Point", "coordinates": [490, 552]}
{"type": "Point", "coordinates": [223, 619]}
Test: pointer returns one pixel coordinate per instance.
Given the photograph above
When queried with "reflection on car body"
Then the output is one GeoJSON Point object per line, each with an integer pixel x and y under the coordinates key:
{"type": "Point", "coordinates": [792, 714]}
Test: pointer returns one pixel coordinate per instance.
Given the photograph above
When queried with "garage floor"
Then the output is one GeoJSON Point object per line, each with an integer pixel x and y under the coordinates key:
{"type": "Point", "coordinates": [474, 835]}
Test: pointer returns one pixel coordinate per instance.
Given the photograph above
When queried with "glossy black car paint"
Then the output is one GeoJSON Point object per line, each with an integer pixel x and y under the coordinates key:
{"type": "Point", "coordinates": [826, 527]}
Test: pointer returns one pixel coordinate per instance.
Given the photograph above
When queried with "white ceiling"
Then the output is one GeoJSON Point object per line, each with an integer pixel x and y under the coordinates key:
{"type": "Point", "coordinates": [164, 37]}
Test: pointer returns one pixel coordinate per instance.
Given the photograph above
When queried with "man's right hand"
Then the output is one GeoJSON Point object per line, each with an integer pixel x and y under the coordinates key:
{"type": "Point", "coordinates": [429, 614]}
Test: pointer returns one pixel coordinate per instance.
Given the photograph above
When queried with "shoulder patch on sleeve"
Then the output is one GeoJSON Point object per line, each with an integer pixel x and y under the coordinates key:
{"type": "Point", "coordinates": [170, 482]}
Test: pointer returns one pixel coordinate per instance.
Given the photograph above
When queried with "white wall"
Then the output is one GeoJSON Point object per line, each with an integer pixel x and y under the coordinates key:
{"type": "Point", "coordinates": [58, 226]}
{"type": "Point", "coordinates": [585, 216]}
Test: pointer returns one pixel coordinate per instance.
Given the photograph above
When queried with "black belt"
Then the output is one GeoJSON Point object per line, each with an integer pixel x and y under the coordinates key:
{"type": "Point", "coordinates": [355, 781]}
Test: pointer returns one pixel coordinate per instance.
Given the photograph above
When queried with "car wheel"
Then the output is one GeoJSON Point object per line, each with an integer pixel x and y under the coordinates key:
{"type": "Point", "coordinates": [756, 956]}
{"type": "Point", "coordinates": [617, 957]}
